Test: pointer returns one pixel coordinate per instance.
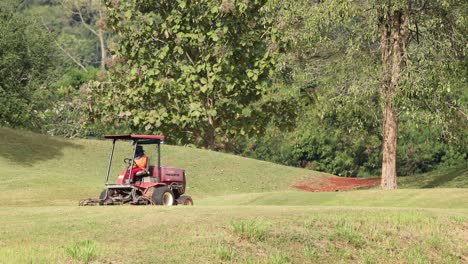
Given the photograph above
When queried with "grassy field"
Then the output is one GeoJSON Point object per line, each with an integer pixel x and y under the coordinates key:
{"type": "Point", "coordinates": [245, 212]}
{"type": "Point", "coordinates": [407, 198]}
{"type": "Point", "coordinates": [247, 234]}
{"type": "Point", "coordinates": [448, 178]}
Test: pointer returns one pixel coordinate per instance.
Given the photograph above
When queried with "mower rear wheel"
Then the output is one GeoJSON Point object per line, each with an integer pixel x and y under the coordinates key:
{"type": "Point", "coordinates": [163, 196]}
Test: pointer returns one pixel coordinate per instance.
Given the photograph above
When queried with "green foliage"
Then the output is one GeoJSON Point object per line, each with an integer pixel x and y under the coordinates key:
{"type": "Point", "coordinates": [215, 73]}
{"type": "Point", "coordinates": [39, 88]}
{"type": "Point", "coordinates": [78, 44]}
{"type": "Point", "coordinates": [26, 68]}
{"type": "Point", "coordinates": [74, 78]}
{"type": "Point", "coordinates": [345, 148]}
{"type": "Point", "coordinates": [332, 70]}
{"type": "Point", "coordinates": [191, 70]}
{"type": "Point", "coordinates": [65, 117]}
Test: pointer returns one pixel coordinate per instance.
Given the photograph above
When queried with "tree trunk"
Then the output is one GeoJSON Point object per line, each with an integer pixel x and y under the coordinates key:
{"type": "Point", "coordinates": [390, 126]}
{"type": "Point", "coordinates": [103, 49]}
{"type": "Point", "coordinates": [393, 40]}
{"type": "Point", "coordinates": [100, 36]}
{"type": "Point", "coordinates": [98, 32]}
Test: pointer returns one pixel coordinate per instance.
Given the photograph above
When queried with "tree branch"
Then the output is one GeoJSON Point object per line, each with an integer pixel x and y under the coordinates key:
{"type": "Point", "coordinates": [189, 58]}
{"type": "Point", "coordinates": [459, 110]}
{"type": "Point", "coordinates": [65, 51]}
{"type": "Point", "coordinates": [85, 24]}
{"type": "Point", "coordinates": [71, 57]}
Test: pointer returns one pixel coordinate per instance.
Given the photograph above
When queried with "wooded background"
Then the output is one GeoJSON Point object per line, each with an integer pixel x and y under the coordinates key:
{"type": "Point", "coordinates": [326, 85]}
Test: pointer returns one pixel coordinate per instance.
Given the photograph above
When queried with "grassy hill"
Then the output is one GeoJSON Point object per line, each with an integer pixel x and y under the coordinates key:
{"type": "Point", "coordinates": [42, 170]}
{"type": "Point", "coordinates": [443, 178]}
{"type": "Point", "coordinates": [245, 212]}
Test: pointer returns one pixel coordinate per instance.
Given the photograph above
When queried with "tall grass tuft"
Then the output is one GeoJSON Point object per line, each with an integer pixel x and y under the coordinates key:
{"type": "Point", "coordinates": [279, 258]}
{"type": "Point", "coordinates": [84, 251]}
{"type": "Point", "coordinates": [252, 230]}
{"type": "Point", "coordinates": [346, 232]}
{"type": "Point", "coordinates": [225, 253]}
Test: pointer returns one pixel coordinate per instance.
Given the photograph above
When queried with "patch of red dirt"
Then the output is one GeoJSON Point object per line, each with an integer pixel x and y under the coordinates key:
{"type": "Point", "coordinates": [334, 183]}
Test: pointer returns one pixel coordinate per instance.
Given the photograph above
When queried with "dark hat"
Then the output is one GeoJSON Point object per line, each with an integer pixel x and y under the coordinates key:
{"type": "Point", "coordinates": [139, 151]}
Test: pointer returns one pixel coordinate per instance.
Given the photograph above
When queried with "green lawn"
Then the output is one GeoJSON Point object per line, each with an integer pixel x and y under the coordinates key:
{"type": "Point", "coordinates": [444, 178]}
{"type": "Point", "coordinates": [245, 212]}
{"type": "Point", "coordinates": [407, 198]}
{"type": "Point", "coordinates": [240, 234]}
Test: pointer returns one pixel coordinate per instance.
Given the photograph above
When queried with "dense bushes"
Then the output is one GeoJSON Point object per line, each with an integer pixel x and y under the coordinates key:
{"type": "Point", "coordinates": [332, 139]}
{"type": "Point", "coordinates": [26, 68]}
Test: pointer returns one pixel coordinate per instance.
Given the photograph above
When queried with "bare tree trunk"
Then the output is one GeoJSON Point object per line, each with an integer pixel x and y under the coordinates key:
{"type": "Point", "coordinates": [393, 40]}
{"type": "Point", "coordinates": [103, 49]}
{"type": "Point", "coordinates": [100, 36]}
{"type": "Point", "coordinates": [99, 32]}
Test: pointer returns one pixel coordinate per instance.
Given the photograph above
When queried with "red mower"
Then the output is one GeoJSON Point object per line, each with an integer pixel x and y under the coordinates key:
{"type": "Point", "coordinates": [152, 185]}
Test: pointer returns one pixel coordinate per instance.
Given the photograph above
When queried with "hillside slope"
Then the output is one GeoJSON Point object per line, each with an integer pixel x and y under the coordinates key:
{"type": "Point", "coordinates": [42, 170]}
{"type": "Point", "coordinates": [442, 178]}
{"type": "Point", "coordinates": [38, 169]}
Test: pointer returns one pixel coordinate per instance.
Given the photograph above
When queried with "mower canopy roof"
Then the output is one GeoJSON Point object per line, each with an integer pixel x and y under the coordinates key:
{"type": "Point", "coordinates": [134, 137]}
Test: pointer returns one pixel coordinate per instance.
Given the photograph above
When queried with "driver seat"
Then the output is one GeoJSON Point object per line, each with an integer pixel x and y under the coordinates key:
{"type": "Point", "coordinates": [145, 171]}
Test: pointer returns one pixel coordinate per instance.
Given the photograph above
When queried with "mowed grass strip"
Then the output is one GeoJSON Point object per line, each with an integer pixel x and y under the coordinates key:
{"type": "Point", "coordinates": [413, 198]}
{"type": "Point", "coordinates": [247, 234]}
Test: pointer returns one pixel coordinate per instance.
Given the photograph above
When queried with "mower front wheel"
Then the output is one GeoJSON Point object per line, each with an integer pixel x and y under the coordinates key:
{"type": "Point", "coordinates": [163, 196]}
{"type": "Point", "coordinates": [105, 197]}
{"type": "Point", "coordinates": [185, 200]}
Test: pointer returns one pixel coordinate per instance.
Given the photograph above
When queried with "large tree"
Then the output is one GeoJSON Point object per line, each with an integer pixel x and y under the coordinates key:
{"type": "Point", "coordinates": [420, 48]}
{"type": "Point", "coordinates": [401, 24]}
{"type": "Point", "coordinates": [193, 70]}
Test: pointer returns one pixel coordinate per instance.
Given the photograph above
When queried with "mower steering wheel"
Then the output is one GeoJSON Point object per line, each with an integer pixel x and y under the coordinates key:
{"type": "Point", "coordinates": [127, 161]}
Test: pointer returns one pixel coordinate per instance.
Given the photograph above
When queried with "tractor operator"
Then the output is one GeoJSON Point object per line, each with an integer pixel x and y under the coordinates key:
{"type": "Point", "coordinates": [139, 162]}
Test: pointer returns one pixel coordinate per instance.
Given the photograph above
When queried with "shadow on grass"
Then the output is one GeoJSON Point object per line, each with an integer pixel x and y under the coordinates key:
{"type": "Point", "coordinates": [447, 176]}
{"type": "Point", "coordinates": [27, 148]}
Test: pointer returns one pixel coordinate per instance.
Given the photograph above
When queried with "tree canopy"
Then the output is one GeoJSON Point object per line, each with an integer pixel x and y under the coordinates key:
{"type": "Point", "coordinates": [26, 68]}
{"type": "Point", "coordinates": [192, 70]}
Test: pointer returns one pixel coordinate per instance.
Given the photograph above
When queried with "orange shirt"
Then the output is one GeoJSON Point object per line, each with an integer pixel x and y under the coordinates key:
{"type": "Point", "coordinates": [141, 162]}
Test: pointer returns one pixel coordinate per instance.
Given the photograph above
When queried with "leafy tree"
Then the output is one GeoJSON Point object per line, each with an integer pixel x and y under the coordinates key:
{"type": "Point", "coordinates": [333, 68]}
{"type": "Point", "coordinates": [394, 30]}
{"type": "Point", "coordinates": [26, 68]}
{"type": "Point", "coordinates": [196, 71]}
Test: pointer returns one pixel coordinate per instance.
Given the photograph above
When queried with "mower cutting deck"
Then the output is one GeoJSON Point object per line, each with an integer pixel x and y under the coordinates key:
{"type": "Point", "coordinates": [155, 185]}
